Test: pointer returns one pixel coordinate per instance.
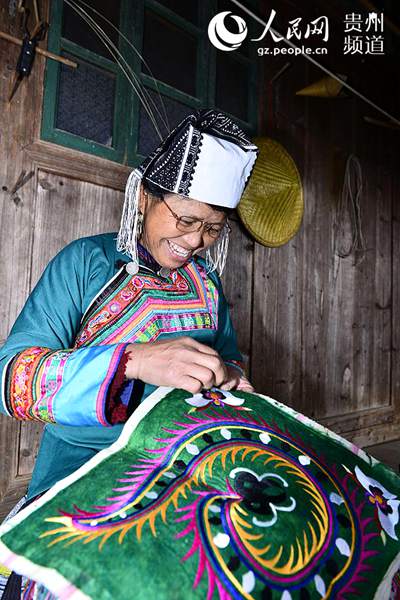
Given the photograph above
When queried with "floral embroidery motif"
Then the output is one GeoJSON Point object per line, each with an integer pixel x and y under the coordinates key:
{"type": "Point", "coordinates": [385, 502]}
{"type": "Point", "coordinates": [264, 495]}
{"type": "Point", "coordinates": [214, 398]}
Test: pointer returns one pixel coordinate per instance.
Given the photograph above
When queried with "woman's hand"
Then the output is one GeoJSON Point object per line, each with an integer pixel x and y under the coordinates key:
{"type": "Point", "coordinates": [236, 381]}
{"type": "Point", "coordinates": [180, 362]}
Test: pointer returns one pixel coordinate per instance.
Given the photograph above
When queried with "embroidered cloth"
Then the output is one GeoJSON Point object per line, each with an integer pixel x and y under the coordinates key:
{"type": "Point", "coordinates": [217, 496]}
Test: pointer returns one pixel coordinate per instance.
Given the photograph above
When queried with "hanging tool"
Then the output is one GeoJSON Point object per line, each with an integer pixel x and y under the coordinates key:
{"type": "Point", "coordinates": [29, 42]}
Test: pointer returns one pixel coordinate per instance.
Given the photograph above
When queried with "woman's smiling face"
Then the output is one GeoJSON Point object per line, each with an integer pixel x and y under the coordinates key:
{"type": "Point", "coordinates": [169, 246]}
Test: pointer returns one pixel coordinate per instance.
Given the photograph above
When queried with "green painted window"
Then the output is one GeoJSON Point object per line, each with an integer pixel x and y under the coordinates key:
{"type": "Point", "coordinates": [94, 109]}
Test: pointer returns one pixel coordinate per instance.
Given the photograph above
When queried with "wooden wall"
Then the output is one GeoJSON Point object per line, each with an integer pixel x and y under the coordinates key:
{"type": "Point", "coordinates": [319, 332]}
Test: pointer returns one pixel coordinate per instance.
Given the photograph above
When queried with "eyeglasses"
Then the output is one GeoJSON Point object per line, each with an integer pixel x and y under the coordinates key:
{"type": "Point", "coordinates": [190, 224]}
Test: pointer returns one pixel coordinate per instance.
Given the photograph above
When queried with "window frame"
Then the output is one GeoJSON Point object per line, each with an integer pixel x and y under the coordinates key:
{"type": "Point", "coordinates": [126, 132]}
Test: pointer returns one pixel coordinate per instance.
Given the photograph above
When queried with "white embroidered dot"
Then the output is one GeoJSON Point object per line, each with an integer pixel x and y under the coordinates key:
{"type": "Point", "coordinates": [226, 433]}
{"type": "Point", "coordinates": [304, 460]}
{"type": "Point", "coordinates": [192, 449]}
{"type": "Point", "coordinates": [93, 523]}
{"type": "Point", "coordinates": [343, 547]}
{"type": "Point", "coordinates": [122, 514]}
{"type": "Point", "coordinates": [214, 508]}
{"type": "Point", "coordinates": [286, 595]}
{"type": "Point", "coordinates": [248, 582]}
{"type": "Point", "coordinates": [265, 437]}
{"type": "Point", "coordinates": [169, 475]}
{"type": "Point", "coordinates": [221, 540]}
{"type": "Point", "coordinates": [151, 495]}
{"type": "Point", "coordinates": [336, 499]}
{"type": "Point", "coordinates": [320, 585]}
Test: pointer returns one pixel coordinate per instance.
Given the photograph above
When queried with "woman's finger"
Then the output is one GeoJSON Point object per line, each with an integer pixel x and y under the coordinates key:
{"type": "Point", "coordinates": [244, 385]}
{"type": "Point", "coordinates": [189, 384]}
{"type": "Point", "coordinates": [228, 385]}
{"type": "Point", "coordinates": [203, 374]}
{"type": "Point", "coordinates": [214, 364]}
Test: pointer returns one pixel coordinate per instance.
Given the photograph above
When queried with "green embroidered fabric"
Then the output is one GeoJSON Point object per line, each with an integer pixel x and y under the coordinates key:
{"type": "Point", "coordinates": [218, 495]}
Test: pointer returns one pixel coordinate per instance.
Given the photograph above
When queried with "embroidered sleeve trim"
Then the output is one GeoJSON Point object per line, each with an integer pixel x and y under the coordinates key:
{"type": "Point", "coordinates": [33, 377]}
{"type": "Point", "coordinates": [107, 399]}
{"type": "Point", "coordinates": [116, 410]}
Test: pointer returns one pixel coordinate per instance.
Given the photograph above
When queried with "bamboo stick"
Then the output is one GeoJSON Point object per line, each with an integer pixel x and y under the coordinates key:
{"type": "Point", "coordinates": [14, 40]}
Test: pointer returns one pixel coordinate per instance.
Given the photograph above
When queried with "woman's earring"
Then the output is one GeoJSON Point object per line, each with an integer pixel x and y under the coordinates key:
{"type": "Point", "coordinates": [139, 227]}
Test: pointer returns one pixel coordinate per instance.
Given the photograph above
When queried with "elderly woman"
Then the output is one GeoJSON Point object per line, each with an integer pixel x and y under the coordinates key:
{"type": "Point", "coordinates": [107, 322]}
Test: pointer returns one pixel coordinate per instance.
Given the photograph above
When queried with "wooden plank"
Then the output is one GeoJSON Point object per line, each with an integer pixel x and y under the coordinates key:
{"type": "Point", "coordinates": [327, 302]}
{"type": "Point", "coordinates": [276, 318]}
{"type": "Point", "coordinates": [237, 282]}
{"type": "Point", "coordinates": [395, 347]}
{"type": "Point", "coordinates": [360, 419]}
{"type": "Point", "coordinates": [16, 215]}
{"type": "Point", "coordinates": [67, 209]}
{"type": "Point", "coordinates": [30, 436]}
{"type": "Point", "coordinates": [346, 304]}
{"type": "Point", "coordinates": [373, 285]}
{"type": "Point", "coordinates": [15, 209]}
{"type": "Point", "coordinates": [77, 165]}
{"type": "Point", "coordinates": [375, 434]}
{"type": "Point", "coordinates": [9, 447]}
{"type": "Point", "coordinates": [388, 453]}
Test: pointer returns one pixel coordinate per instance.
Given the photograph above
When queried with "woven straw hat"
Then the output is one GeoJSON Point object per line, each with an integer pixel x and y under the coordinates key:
{"type": "Point", "coordinates": [272, 205]}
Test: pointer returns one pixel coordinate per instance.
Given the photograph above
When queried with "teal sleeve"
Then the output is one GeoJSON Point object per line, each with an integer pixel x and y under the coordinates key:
{"type": "Point", "coordinates": [226, 341]}
{"type": "Point", "coordinates": [42, 377]}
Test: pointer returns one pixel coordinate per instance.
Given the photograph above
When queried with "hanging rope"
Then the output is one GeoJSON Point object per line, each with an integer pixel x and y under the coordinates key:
{"type": "Point", "coordinates": [349, 213]}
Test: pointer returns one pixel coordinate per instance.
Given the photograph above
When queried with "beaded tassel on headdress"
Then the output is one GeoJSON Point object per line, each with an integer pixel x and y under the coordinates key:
{"type": "Point", "coordinates": [130, 221]}
{"type": "Point", "coordinates": [217, 254]}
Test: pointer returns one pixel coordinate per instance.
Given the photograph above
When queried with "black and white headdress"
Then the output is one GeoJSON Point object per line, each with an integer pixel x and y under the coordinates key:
{"type": "Point", "coordinates": [207, 157]}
